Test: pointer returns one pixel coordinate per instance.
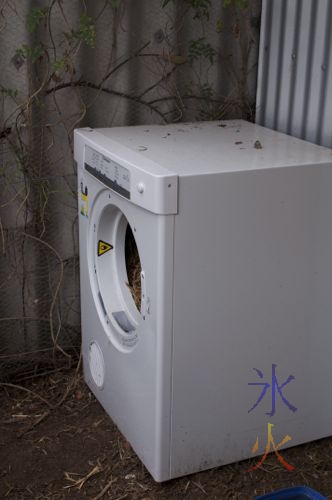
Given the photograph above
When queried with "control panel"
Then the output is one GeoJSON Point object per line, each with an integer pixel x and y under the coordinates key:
{"type": "Point", "coordinates": [109, 172]}
{"type": "Point", "coordinates": [127, 172]}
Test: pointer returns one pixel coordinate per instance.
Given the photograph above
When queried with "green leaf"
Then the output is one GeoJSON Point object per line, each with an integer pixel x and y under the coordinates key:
{"type": "Point", "coordinates": [200, 48]}
{"type": "Point", "coordinates": [59, 65]}
{"type": "Point", "coordinates": [86, 31]}
{"type": "Point", "coordinates": [9, 92]}
{"type": "Point", "coordinates": [242, 4]}
{"type": "Point", "coordinates": [220, 25]}
{"type": "Point", "coordinates": [31, 52]}
{"type": "Point", "coordinates": [35, 17]}
{"type": "Point", "coordinates": [115, 3]}
{"type": "Point", "coordinates": [206, 91]}
{"type": "Point", "coordinates": [201, 7]}
{"type": "Point", "coordinates": [188, 89]}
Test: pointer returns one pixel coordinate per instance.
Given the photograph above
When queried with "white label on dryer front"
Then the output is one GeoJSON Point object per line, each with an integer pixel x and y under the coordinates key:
{"type": "Point", "coordinates": [109, 172]}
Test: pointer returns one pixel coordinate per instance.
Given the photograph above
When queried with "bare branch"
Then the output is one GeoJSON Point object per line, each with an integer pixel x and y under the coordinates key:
{"type": "Point", "coordinates": [87, 84]}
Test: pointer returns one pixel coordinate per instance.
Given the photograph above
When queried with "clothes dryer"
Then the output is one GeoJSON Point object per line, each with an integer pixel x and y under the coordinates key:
{"type": "Point", "coordinates": [230, 225]}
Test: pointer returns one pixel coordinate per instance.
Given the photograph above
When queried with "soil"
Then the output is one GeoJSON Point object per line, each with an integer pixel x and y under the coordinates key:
{"type": "Point", "coordinates": [73, 450]}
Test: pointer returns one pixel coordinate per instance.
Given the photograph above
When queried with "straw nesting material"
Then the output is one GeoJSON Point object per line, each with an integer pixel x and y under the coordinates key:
{"type": "Point", "coordinates": [133, 265]}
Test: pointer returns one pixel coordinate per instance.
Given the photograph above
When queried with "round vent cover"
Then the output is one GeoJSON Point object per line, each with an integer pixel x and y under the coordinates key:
{"type": "Point", "coordinates": [96, 364]}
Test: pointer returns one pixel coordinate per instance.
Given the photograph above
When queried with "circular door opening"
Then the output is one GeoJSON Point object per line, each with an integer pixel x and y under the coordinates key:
{"type": "Point", "coordinates": [115, 272]}
{"type": "Point", "coordinates": [133, 267]}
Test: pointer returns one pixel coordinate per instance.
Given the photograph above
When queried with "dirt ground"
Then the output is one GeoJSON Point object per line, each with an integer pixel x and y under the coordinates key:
{"type": "Point", "coordinates": [70, 448]}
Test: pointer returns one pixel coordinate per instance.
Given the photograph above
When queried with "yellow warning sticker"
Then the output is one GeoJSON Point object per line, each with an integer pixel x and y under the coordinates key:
{"type": "Point", "coordinates": [84, 207]}
{"type": "Point", "coordinates": [103, 247]}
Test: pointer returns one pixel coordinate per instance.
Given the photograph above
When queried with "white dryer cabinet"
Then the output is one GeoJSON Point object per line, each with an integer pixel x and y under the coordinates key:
{"type": "Point", "coordinates": [233, 226]}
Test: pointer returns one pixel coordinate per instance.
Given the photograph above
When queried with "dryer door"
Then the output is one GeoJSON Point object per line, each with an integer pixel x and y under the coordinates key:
{"type": "Point", "coordinates": [115, 268]}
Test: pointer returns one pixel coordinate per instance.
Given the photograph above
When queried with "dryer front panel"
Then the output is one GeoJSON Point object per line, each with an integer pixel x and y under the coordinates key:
{"type": "Point", "coordinates": [126, 262]}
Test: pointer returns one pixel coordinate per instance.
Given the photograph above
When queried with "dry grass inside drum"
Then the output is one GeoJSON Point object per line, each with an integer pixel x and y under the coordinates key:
{"type": "Point", "coordinates": [133, 266]}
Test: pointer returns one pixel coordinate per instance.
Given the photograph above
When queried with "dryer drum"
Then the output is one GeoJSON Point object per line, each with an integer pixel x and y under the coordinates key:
{"type": "Point", "coordinates": [133, 266]}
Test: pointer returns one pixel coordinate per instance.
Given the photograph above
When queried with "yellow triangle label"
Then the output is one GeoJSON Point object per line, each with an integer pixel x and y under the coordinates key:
{"type": "Point", "coordinates": [103, 247]}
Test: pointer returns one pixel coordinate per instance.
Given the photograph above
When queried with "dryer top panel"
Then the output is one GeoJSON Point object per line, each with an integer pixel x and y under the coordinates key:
{"type": "Point", "coordinates": [213, 147]}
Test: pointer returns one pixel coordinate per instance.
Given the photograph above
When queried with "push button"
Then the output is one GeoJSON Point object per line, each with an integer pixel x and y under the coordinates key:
{"type": "Point", "coordinates": [140, 187]}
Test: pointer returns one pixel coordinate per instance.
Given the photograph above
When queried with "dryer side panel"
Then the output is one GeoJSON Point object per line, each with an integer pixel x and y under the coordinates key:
{"type": "Point", "coordinates": [252, 297]}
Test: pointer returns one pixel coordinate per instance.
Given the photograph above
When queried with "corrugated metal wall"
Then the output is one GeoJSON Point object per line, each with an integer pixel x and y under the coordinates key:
{"type": "Point", "coordinates": [294, 92]}
{"type": "Point", "coordinates": [199, 62]}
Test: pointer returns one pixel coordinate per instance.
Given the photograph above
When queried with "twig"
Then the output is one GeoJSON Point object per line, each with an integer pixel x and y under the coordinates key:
{"type": "Point", "coordinates": [21, 388]}
{"type": "Point", "coordinates": [146, 91]}
{"type": "Point", "coordinates": [87, 84]}
{"type": "Point", "coordinates": [186, 97]}
{"type": "Point", "coordinates": [32, 426]}
{"type": "Point", "coordinates": [199, 486]}
{"type": "Point", "coordinates": [42, 374]}
{"type": "Point", "coordinates": [23, 318]}
{"type": "Point", "coordinates": [104, 490]}
{"type": "Point", "coordinates": [79, 483]}
{"type": "Point", "coordinates": [57, 289]}
{"type": "Point", "coordinates": [2, 238]}
{"type": "Point", "coordinates": [118, 66]}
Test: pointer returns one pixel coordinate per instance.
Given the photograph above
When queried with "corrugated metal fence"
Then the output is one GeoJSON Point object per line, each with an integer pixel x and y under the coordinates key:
{"type": "Point", "coordinates": [294, 92]}
{"type": "Point", "coordinates": [97, 63]}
